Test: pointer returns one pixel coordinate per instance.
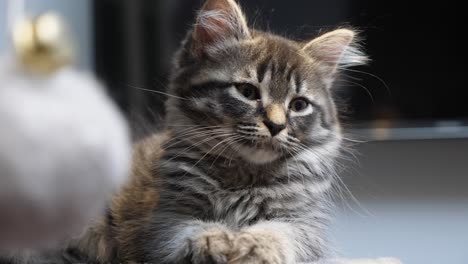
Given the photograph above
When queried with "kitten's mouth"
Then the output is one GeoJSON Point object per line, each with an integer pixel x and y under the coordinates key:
{"type": "Point", "coordinates": [261, 151]}
{"type": "Point", "coordinates": [258, 147]}
{"type": "Point", "coordinates": [263, 142]}
{"type": "Point", "coordinates": [258, 155]}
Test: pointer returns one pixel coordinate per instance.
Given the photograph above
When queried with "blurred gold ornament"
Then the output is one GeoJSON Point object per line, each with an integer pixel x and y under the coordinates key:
{"type": "Point", "coordinates": [41, 44]}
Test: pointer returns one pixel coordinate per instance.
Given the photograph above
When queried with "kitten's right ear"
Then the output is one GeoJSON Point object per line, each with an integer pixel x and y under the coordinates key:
{"type": "Point", "coordinates": [218, 21]}
{"type": "Point", "coordinates": [336, 49]}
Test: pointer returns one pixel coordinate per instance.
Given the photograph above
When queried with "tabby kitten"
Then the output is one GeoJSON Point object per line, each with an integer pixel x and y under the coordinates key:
{"type": "Point", "coordinates": [244, 172]}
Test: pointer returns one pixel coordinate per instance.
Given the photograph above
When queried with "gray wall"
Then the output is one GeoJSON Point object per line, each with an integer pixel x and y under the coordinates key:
{"type": "Point", "coordinates": [77, 14]}
{"type": "Point", "coordinates": [413, 202]}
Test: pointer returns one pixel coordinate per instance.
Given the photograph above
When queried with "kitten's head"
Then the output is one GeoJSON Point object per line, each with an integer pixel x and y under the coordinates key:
{"type": "Point", "coordinates": [255, 94]}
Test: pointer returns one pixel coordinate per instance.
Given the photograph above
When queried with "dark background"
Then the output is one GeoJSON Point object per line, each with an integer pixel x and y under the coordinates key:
{"type": "Point", "coordinates": [416, 77]}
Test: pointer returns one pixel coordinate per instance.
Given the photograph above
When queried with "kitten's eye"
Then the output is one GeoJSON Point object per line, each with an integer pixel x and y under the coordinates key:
{"type": "Point", "coordinates": [248, 91]}
{"type": "Point", "coordinates": [299, 105]}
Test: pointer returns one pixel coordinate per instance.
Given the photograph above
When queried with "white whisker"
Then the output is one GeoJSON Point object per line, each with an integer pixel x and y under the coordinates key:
{"type": "Point", "coordinates": [157, 92]}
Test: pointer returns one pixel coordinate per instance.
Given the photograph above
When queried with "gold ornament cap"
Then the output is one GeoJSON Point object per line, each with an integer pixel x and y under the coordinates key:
{"type": "Point", "coordinates": [42, 44]}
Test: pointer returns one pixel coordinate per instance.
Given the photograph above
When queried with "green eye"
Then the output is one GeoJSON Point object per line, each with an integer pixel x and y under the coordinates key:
{"type": "Point", "coordinates": [299, 105]}
{"type": "Point", "coordinates": [249, 91]}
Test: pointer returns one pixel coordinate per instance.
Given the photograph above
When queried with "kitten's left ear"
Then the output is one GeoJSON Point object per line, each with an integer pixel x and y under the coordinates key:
{"type": "Point", "coordinates": [218, 21]}
{"type": "Point", "coordinates": [336, 49]}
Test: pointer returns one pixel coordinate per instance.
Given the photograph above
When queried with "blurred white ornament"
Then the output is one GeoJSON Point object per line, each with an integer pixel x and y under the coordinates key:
{"type": "Point", "coordinates": [64, 147]}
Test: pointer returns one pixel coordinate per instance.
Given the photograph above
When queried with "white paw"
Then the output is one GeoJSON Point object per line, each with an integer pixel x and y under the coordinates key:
{"type": "Point", "coordinates": [212, 246]}
{"type": "Point", "coordinates": [257, 248]}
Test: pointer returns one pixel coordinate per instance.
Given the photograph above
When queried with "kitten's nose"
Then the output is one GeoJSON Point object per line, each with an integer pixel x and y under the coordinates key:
{"type": "Point", "coordinates": [274, 128]}
{"type": "Point", "coordinates": [275, 119]}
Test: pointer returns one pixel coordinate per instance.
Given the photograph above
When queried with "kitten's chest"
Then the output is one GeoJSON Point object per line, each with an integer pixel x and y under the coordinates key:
{"type": "Point", "coordinates": [246, 207]}
{"type": "Point", "coordinates": [238, 208]}
{"type": "Point", "coordinates": [236, 195]}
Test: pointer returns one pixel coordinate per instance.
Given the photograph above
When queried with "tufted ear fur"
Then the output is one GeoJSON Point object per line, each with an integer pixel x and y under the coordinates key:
{"type": "Point", "coordinates": [336, 49]}
{"type": "Point", "coordinates": [218, 23]}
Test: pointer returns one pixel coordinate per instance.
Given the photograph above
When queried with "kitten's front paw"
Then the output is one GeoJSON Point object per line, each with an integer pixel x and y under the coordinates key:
{"type": "Point", "coordinates": [257, 248]}
{"type": "Point", "coordinates": [212, 246]}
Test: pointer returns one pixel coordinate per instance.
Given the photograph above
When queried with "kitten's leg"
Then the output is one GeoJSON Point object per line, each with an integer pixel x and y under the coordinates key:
{"type": "Point", "coordinates": [276, 242]}
{"type": "Point", "coordinates": [95, 244]}
{"type": "Point", "coordinates": [191, 241]}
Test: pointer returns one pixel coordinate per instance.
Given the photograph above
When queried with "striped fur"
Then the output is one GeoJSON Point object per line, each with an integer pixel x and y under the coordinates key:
{"type": "Point", "coordinates": [245, 169]}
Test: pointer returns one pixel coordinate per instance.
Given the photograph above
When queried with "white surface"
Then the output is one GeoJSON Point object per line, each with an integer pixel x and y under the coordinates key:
{"type": "Point", "coordinates": [417, 194]}
{"type": "Point", "coordinates": [425, 232]}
